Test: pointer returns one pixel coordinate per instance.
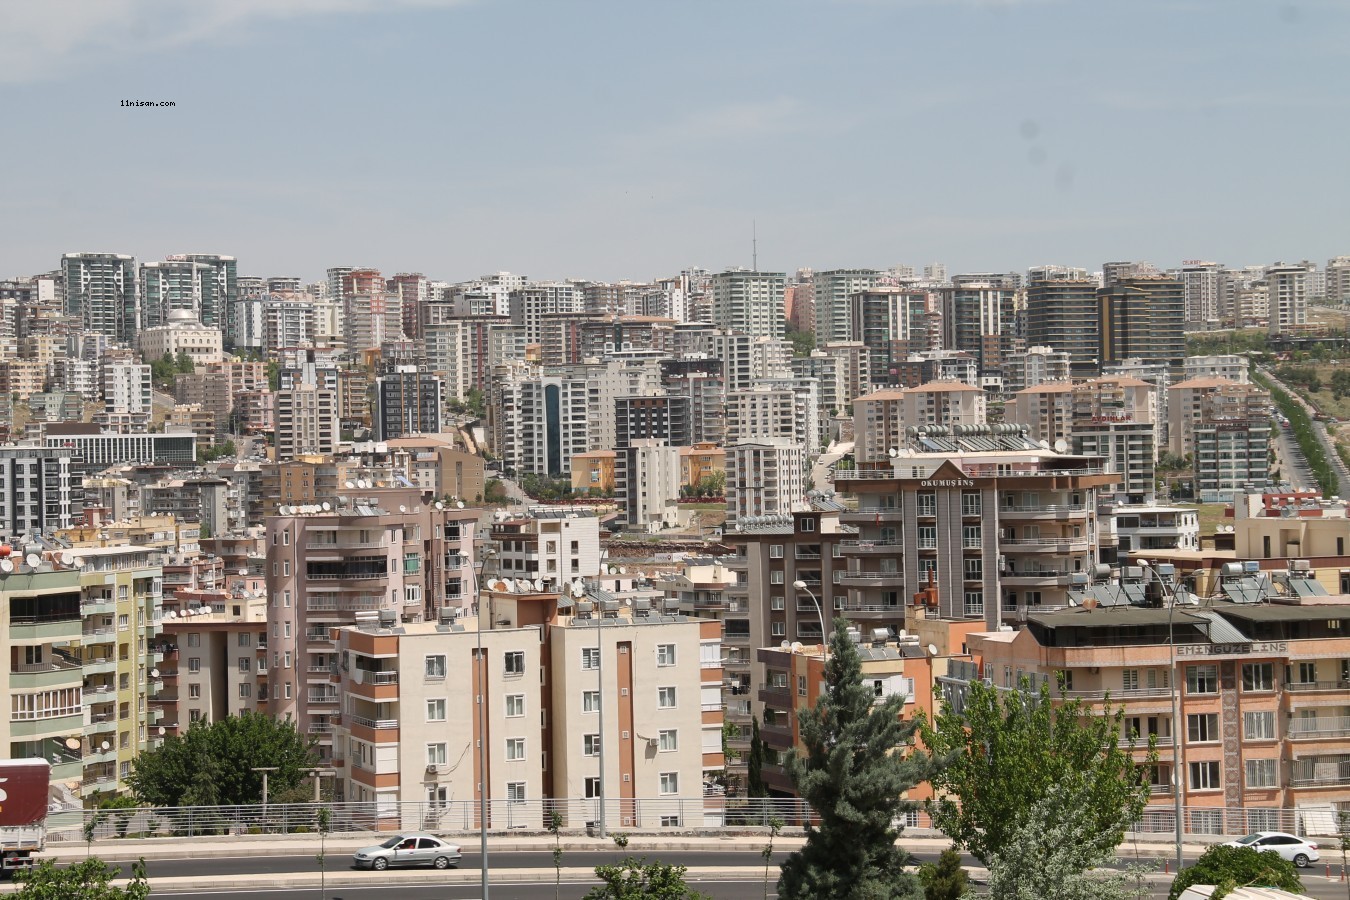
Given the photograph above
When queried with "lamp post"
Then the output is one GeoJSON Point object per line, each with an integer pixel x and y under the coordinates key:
{"type": "Point", "coordinates": [1178, 781]}
{"type": "Point", "coordinates": [486, 554]}
{"type": "Point", "coordinates": [820, 614]}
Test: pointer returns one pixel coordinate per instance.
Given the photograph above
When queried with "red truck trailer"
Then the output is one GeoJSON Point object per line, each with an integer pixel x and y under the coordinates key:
{"type": "Point", "coordinates": [23, 810]}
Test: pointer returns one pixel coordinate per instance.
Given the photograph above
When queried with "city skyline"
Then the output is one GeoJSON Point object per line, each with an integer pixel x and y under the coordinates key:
{"type": "Point", "coordinates": [459, 138]}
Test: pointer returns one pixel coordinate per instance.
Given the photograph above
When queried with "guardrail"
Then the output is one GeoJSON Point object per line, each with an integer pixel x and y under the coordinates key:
{"type": "Point", "coordinates": [711, 812]}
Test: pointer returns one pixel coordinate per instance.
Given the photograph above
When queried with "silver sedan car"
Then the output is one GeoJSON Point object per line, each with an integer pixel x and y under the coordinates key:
{"type": "Point", "coordinates": [414, 849]}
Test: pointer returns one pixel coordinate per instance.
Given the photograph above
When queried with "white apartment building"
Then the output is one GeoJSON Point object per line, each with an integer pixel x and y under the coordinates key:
{"type": "Point", "coordinates": [371, 319]}
{"type": "Point", "coordinates": [530, 303]}
{"type": "Point", "coordinates": [287, 321]}
{"type": "Point", "coordinates": [832, 290]}
{"type": "Point", "coordinates": [881, 417]}
{"type": "Point", "coordinates": [764, 477]}
{"type": "Point", "coordinates": [1200, 285]}
{"type": "Point", "coordinates": [1287, 292]}
{"type": "Point", "coordinates": [653, 484]}
{"type": "Point", "coordinates": [307, 422]}
{"type": "Point", "coordinates": [1229, 366]}
{"type": "Point", "coordinates": [34, 490]}
{"type": "Point", "coordinates": [551, 545]}
{"type": "Point", "coordinates": [1338, 279]}
{"type": "Point", "coordinates": [1034, 366]}
{"type": "Point", "coordinates": [128, 399]}
{"type": "Point", "coordinates": [784, 409]}
{"type": "Point", "coordinates": [749, 302]}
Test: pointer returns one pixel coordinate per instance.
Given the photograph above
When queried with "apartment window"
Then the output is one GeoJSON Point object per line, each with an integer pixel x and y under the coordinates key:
{"type": "Point", "coordinates": [436, 754]}
{"type": "Point", "coordinates": [245, 639]}
{"type": "Point", "coordinates": [970, 503]}
{"type": "Point", "coordinates": [194, 664]}
{"type": "Point", "coordinates": [194, 692]}
{"type": "Point", "coordinates": [665, 654]}
{"type": "Point", "coordinates": [1307, 673]}
{"type": "Point", "coordinates": [286, 599]}
{"type": "Point", "coordinates": [1202, 728]}
{"type": "Point", "coordinates": [515, 662]}
{"type": "Point", "coordinates": [286, 659]}
{"type": "Point", "coordinates": [194, 715]}
{"type": "Point", "coordinates": [801, 685]}
{"type": "Point", "coordinates": [592, 788]}
{"type": "Point", "coordinates": [1205, 776]}
{"type": "Point", "coordinates": [288, 690]}
{"type": "Point", "coordinates": [515, 791]}
{"type": "Point", "coordinates": [590, 701]}
{"type": "Point", "coordinates": [515, 705]}
{"type": "Point", "coordinates": [285, 567]}
{"type": "Point", "coordinates": [1129, 679]}
{"type": "Point", "coordinates": [436, 710]}
{"type": "Point", "coordinates": [1258, 677]}
{"type": "Point", "coordinates": [245, 691]}
{"type": "Point", "coordinates": [286, 629]}
{"type": "Point", "coordinates": [669, 739]}
{"type": "Point", "coordinates": [776, 603]}
{"type": "Point", "coordinates": [590, 745]}
{"type": "Point", "coordinates": [974, 603]}
{"type": "Point", "coordinates": [775, 551]}
{"type": "Point", "coordinates": [1258, 726]}
{"type": "Point", "coordinates": [778, 629]}
{"type": "Point", "coordinates": [927, 503]}
{"type": "Point", "coordinates": [1262, 773]}
{"type": "Point", "coordinates": [665, 698]}
{"type": "Point", "coordinates": [670, 782]}
{"type": "Point", "coordinates": [515, 748]}
{"type": "Point", "coordinates": [435, 667]}
{"type": "Point", "coordinates": [971, 537]}
{"type": "Point", "coordinates": [245, 664]}
{"type": "Point", "coordinates": [776, 576]}
{"type": "Point", "coordinates": [1202, 679]}
{"type": "Point", "coordinates": [590, 657]}
{"type": "Point", "coordinates": [974, 569]}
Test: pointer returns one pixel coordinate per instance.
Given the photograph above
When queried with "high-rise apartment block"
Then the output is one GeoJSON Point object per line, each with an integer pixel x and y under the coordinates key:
{"type": "Point", "coordinates": [102, 289]}
{"type": "Point", "coordinates": [1062, 313]}
{"type": "Point", "coordinates": [749, 302]}
{"type": "Point", "coordinates": [1287, 293]}
{"type": "Point", "coordinates": [306, 422]}
{"type": "Point", "coordinates": [407, 401]}
{"type": "Point", "coordinates": [831, 291]}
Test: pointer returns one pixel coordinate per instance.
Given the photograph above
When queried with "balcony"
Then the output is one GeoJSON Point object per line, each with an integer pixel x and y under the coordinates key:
{"type": "Point", "coordinates": [1045, 545]}
{"type": "Point", "coordinates": [873, 610]}
{"type": "Point", "coordinates": [319, 637]}
{"type": "Point", "coordinates": [780, 697]}
{"type": "Point", "coordinates": [1318, 727]}
{"type": "Point", "coordinates": [58, 671]}
{"type": "Point", "coordinates": [43, 630]}
{"type": "Point", "coordinates": [321, 698]}
{"type": "Point", "coordinates": [1062, 511]}
{"type": "Point", "coordinates": [373, 724]}
{"type": "Point", "coordinates": [1034, 578]}
{"type": "Point", "coordinates": [99, 695]}
{"type": "Point", "coordinates": [98, 606]}
{"type": "Point", "coordinates": [866, 514]}
{"type": "Point", "coordinates": [872, 579]}
{"type": "Point", "coordinates": [1310, 686]}
{"type": "Point", "coordinates": [884, 548]}
{"type": "Point", "coordinates": [372, 676]}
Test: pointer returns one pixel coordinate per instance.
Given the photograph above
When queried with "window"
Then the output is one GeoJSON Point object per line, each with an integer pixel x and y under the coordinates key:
{"type": "Point", "coordinates": [1202, 679]}
{"type": "Point", "coordinates": [590, 701]}
{"type": "Point", "coordinates": [194, 639]}
{"type": "Point", "coordinates": [515, 748]}
{"type": "Point", "coordinates": [670, 782]}
{"type": "Point", "coordinates": [775, 551]}
{"type": "Point", "coordinates": [669, 739]}
{"type": "Point", "coordinates": [245, 639]}
{"type": "Point", "coordinates": [1258, 726]}
{"type": "Point", "coordinates": [1258, 677]}
{"type": "Point", "coordinates": [776, 603]}
{"type": "Point", "coordinates": [808, 524]}
{"type": "Point", "coordinates": [245, 664]}
{"type": "Point", "coordinates": [245, 691]}
{"type": "Point", "coordinates": [970, 503]}
{"type": "Point", "coordinates": [515, 662]}
{"type": "Point", "coordinates": [435, 754]}
{"type": "Point", "coordinates": [927, 503]}
{"type": "Point", "coordinates": [927, 537]}
{"type": "Point", "coordinates": [665, 654]}
{"type": "Point", "coordinates": [779, 629]}
{"type": "Point", "coordinates": [974, 604]}
{"type": "Point", "coordinates": [194, 692]}
{"type": "Point", "coordinates": [1262, 773]}
{"type": "Point", "coordinates": [286, 658]}
{"type": "Point", "coordinates": [435, 667]}
{"type": "Point", "coordinates": [1205, 776]}
{"type": "Point", "coordinates": [971, 537]}
{"type": "Point", "coordinates": [515, 791]}
{"type": "Point", "coordinates": [776, 576]}
{"type": "Point", "coordinates": [974, 569]}
{"type": "Point", "coordinates": [436, 710]}
{"type": "Point", "coordinates": [590, 657]}
{"type": "Point", "coordinates": [1129, 679]}
{"type": "Point", "coordinates": [1202, 727]}
{"type": "Point", "coordinates": [515, 705]}
{"type": "Point", "coordinates": [801, 685]}
{"type": "Point", "coordinates": [194, 664]}
{"type": "Point", "coordinates": [590, 744]}
{"type": "Point", "coordinates": [665, 698]}
{"type": "Point", "coordinates": [592, 788]}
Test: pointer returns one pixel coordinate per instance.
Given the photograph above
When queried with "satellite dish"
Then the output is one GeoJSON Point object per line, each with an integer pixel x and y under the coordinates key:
{"type": "Point", "coordinates": [79, 562]}
{"type": "Point", "coordinates": [283, 510]}
{"type": "Point", "coordinates": [349, 485]}
{"type": "Point", "coordinates": [1061, 446]}
{"type": "Point", "coordinates": [72, 743]}
{"type": "Point", "coordinates": [459, 504]}
{"type": "Point", "coordinates": [403, 509]}
{"type": "Point", "coordinates": [33, 560]}
{"type": "Point", "coordinates": [796, 646]}
{"type": "Point", "coordinates": [162, 731]}
{"type": "Point", "coordinates": [785, 645]}
{"type": "Point", "coordinates": [904, 633]}
{"type": "Point", "coordinates": [6, 566]}
{"type": "Point", "coordinates": [326, 506]}
{"type": "Point", "coordinates": [104, 746]}
{"type": "Point", "coordinates": [893, 453]}
{"type": "Point", "coordinates": [539, 584]}
{"type": "Point", "coordinates": [578, 589]}
{"type": "Point", "coordinates": [67, 558]}
{"type": "Point", "coordinates": [497, 586]}
{"type": "Point", "coordinates": [440, 505]}
{"type": "Point", "coordinates": [932, 649]}
{"type": "Point", "coordinates": [154, 673]}
{"type": "Point", "coordinates": [622, 570]}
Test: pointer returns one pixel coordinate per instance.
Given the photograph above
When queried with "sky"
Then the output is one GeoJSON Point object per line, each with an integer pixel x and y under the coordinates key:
{"type": "Point", "coordinates": [612, 139]}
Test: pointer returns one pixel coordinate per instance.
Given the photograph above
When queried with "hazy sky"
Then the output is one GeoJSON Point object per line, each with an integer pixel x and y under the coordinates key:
{"type": "Point", "coordinates": [614, 139]}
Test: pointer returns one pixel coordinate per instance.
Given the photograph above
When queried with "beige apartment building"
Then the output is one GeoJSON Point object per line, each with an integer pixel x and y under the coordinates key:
{"type": "Point", "coordinates": [881, 417]}
{"type": "Point", "coordinates": [384, 550]}
{"type": "Point", "coordinates": [410, 730]}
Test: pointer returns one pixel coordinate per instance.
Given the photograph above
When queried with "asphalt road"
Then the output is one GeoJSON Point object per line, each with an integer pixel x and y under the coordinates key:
{"type": "Point", "coordinates": [722, 890]}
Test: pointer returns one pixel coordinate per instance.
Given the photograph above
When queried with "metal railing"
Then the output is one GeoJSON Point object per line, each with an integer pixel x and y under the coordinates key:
{"type": "Point", "coordinates": [713, 812]}
{"type": "Point", "coordinates": [1330, 726]}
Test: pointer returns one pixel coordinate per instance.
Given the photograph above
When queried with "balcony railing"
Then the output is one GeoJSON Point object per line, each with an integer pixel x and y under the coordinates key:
{"type": "Point", "coordinates": [376, 724]}
{"type": "Point", "coordinates": [1319, 726]}
{"type": "Point", "coordinates": [1317, 685]}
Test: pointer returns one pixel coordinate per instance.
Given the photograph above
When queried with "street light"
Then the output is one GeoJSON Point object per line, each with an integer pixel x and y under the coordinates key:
{"type": "Point", "coordinates": [1178, 762]}
{"type": "Point", "coordinates": [820, 615]}
{"type": "Point", "coordinates": [487, 553]}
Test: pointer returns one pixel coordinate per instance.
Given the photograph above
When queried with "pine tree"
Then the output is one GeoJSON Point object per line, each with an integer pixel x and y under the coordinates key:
{"type": "Point", "coordinates": [754, 776]}
{"type": "Point", "coordinates": [858, 761]}
{"type": "Point", "coordinates": [945, 879]}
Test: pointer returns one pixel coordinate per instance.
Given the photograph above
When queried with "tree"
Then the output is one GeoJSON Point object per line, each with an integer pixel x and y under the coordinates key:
{"type": "Point", "coordinates": [637, 879]}
{"type": "Point", "coordinates": [857, 764]}
{"type": "Point", "coordinates": [775, 827]}
{"type": "Point", "coordinates": [1232, 867]}
{"type": "Point", "coordinates": [555, 821]}
{"type": "Point", "coordinates": [211, 764]}
{"type": "Point", "coordinates": [1005, 749]}
{"type": "Point", "coordinates": [89, 879]}
{"type": "Point", "coordinates": [324, 825]}
{"type": "Point", "coordinates": [754, 764]}
{"type": "Point", "coordinates": [184, 363]}
{"type": "Point", "coordinates": [945, 879]}
{"type": "Point", "coordinates": [1052, 854]}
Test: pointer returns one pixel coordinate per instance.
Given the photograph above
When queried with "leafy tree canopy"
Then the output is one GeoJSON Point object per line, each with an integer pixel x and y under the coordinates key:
{"type": "Point", "coordinates": [211, 764]}
{"type": "Point", "coordinates": [88, 879]}
{"type": "Point", "coordinates": [1005, 749]}
{"type": "Point", "coordinates": [1232, 867]}
{"type": "Point", "coordinates": [637, 879]}
{"type": "Point", "coordinates": [857, 765]}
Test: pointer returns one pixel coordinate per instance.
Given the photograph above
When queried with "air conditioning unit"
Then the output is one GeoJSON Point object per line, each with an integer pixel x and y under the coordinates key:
{"type": "Point", "coordinates": [988, 682]}
{"type": "Point", "coordinates": [653, 743]}
{"type": "Point", "coordinates": [433, 769]}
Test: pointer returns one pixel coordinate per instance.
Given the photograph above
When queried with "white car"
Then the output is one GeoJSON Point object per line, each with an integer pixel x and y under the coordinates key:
{"type": "Point", "coordinates": [1299, 851]}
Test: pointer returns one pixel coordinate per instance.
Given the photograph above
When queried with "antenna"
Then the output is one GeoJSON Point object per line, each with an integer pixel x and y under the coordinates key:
{"type": "Point", "coordinates": [754, 245]}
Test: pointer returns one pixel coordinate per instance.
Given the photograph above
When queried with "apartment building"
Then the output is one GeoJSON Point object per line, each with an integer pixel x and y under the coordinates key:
{"type": "Point", "coordinates": [127, 403]}
{"type": "Point", "coordinates": [215, 646]}
{"type": "Point", "coordinates": [408, 401]}
{"type": "Point", "coordinates": [307, 422]}
{"type": "Point", "coordinates": [1142, 317]}
{"type": "Point", "coordinates": [103, 291]}
{"type": "Point", "coordinates": [831, 290]}
{"type": "Point", "coordinates": [749, 302]}
{"type": "Point", "coordinates": [35, 490]}
{"type": "Point", "coordinates": [1034, 366]}
{"type": "Point", "coordinates": [998, 522]}
{"type": "Point", "coordinates": [547, 682]}
{"type": "Point", "coordinates": [1062, 313]}
{"type": "Point", "coordinates": [782, 409]}
{"type": "Point", "coordinates": [1287, 296]}
{"type": "Point", "coordinates": [881, 417]}
{"type": "Point", "coordinates": [1224, 365]}
{"type": "Point", "coordinates": [1225, 428]}
{"type": "Point", "coordinates": [894, 323]}
{"type": "Point", "coordinates": [764, 477]}
{"type": "Point", "coordinates": [1261, 688]}
{"type": "Point", "coordinates": [553, 545]}
{"type": "Point", "coordinates": [390, 550]}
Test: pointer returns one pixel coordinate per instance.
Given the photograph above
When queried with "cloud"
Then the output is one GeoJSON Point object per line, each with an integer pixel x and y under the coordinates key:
{"type": "Point", "coordinates": [47, 37]}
